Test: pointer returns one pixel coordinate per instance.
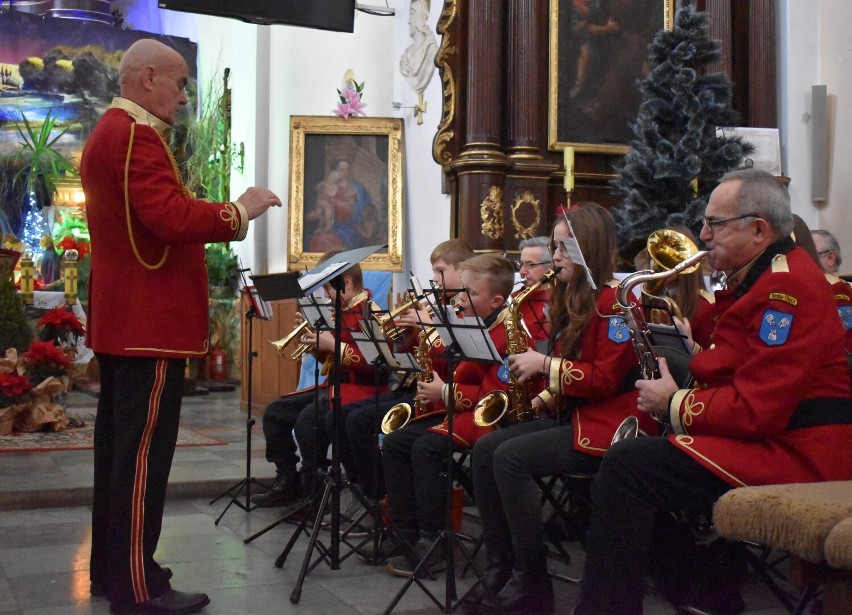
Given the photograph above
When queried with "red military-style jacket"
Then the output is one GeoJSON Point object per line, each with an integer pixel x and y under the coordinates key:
{"type": "Point", "coordinates": [598, 386]}
{"type": "Point", "coordinates": [702, 322]}
{"type": "Point", "coordinates": [148, 286]}
{"type": "Point", "coordinates": [357, 376]}
{"type": "Point", "coordinates": [473, 380]}
{"type": "Point", "coordinates": [772, 402]}
{"type": "Point", "coordinates": [843, 296]}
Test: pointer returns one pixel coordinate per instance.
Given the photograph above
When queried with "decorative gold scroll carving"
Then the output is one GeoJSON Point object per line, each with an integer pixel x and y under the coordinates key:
{"type": "Point", "coordinates": [491, 213]}
{"type": "Point", "coordinates": [525, 201]}
{"type": "Point", "coordinates": [445, 135]}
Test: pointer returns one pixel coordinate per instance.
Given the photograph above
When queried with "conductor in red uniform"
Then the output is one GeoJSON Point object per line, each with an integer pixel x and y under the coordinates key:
{"type": "Point", "coordinates": [771, 402]}
{"type": "Point", "coordinates": [148, 314]}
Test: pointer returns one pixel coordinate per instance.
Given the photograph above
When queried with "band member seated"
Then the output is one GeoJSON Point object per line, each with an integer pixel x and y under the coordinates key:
{"type": "Point", "coordinates": [771, 404]}
{"type": "Point", "coordinates": [589, 369]}
{"type": "Point", "coordinates": [535, 261]}
{"type": "Point", "coordinates": [362, 418]}
{"type": "Point", "coordinates": [297, 410]}
{"type": "Point", "coordinates": [415, 456]}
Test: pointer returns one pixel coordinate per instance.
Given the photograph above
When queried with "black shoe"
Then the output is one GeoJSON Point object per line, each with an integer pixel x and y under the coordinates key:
{"type": "Point", "coordinates": [96, 589]}
{"type": "Point", "coordinates": [172, 602]}
{"type": "Point", "coordinates": [387, 548]}
{"type": "Point", "coordinates": [285, 490]}
{"type": "Point", "coordinates": [400, 566]}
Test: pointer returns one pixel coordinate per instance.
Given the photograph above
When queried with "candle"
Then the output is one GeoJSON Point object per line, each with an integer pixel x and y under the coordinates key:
{"type": "Point", "coordinates": [27, 277]}
{"type": "Point", "coordinates": [70, 276]}
{"type": "Point", "coordinates": [568, 153]}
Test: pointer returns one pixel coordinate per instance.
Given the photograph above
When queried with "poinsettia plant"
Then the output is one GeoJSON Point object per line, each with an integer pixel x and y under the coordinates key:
{"type": "Point", "coordinates": [13, 388]}
{"type": "Point", "coordinates": [58, 325]}
{"type": "Point", "coordinates": [349, 102]}
{"type": "Point", "coordinates": [45, 359]}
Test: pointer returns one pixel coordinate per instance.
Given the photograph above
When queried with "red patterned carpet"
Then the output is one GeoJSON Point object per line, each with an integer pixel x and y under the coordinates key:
{"type": "Point", "coordinates": [82, 437]}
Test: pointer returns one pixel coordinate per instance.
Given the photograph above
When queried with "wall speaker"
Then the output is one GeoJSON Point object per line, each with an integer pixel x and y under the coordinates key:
{"type": "Point", "coordinates": [819, 143]}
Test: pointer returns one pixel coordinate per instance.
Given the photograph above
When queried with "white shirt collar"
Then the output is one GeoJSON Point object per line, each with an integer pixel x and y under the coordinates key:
{"type": "Point", "coordinates": [140, 114]}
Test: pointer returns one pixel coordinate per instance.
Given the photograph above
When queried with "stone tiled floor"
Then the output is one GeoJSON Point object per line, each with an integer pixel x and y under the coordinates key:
{"type": "Point", "coordinates": [45, 537]}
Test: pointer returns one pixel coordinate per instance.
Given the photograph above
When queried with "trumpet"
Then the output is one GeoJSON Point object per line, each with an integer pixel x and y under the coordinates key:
{"type": "Point", "coordinates": [280, 345]}
{"type": "Point", "coordinates": [386, 320]}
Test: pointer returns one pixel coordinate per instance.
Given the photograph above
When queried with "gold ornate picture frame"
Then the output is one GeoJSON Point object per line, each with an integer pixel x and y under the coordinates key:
{"type": "Point", "coordinates": [346, 189]}
{"type": "Point", "coordinates": [598, 51]}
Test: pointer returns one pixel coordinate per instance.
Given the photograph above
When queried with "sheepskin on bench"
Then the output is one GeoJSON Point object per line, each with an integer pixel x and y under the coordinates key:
{"type": "Point", "coordinates": [796, 517]}
{"type": "Point", "coordinates": [838, 545]}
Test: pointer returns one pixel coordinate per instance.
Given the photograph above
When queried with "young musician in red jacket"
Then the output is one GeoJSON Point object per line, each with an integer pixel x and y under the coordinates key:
{"type": "Point", "coordinates": [148, 314]}
{"type": "Point", "coordinates": [415, 455]}
{"type": "Point", "coordinates": [589, 371]}
{"type": "Point", "coordinates": [771, 403]}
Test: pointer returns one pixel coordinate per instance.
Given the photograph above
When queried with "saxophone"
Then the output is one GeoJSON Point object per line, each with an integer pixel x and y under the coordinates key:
{"type": "Point", "coordinates": [399, 414]}
{"type": "Point", "coordinates": [515, 406]}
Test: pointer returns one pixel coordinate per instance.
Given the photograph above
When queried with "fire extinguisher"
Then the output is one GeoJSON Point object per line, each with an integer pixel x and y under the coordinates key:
{"type": "Point", "coordinates": [218, 364]}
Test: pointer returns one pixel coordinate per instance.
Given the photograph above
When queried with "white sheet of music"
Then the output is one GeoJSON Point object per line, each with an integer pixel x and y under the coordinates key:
{"type": "Point", "coordinates": [317, 313]}
{"type": "Point", "coordinates": [473, 340]}
{"type": "Point", "coordinates": [309, 279]}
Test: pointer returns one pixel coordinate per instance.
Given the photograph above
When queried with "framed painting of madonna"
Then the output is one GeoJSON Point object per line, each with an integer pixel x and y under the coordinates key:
{"type": "Point", "coordinates": [598, 53]}
{"type": "Point", "coordinates": [345, 189]}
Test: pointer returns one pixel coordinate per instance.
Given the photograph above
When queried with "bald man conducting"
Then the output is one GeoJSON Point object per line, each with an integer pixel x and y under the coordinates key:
{"type": "Point", "coordinates": [148, 315]}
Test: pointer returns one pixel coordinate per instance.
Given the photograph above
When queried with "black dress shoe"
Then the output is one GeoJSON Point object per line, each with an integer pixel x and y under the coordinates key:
{"type": "Point", "coordinates": [172, 602]}
{"type": "Point", "coordinates": [96, 589]}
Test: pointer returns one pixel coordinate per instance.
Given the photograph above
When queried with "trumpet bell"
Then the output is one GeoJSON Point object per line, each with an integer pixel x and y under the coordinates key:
{"type": "Point", "coordinates": [491, 408]}
{"type": "Point", "coordinates": [396, 417]}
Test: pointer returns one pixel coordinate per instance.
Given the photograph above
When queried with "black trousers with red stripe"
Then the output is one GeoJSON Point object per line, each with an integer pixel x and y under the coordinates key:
{"type": "Point", "coordinates": [135, 436]}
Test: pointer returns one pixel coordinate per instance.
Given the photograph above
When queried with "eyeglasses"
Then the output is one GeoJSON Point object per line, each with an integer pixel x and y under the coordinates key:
{"type": "Point", "coordinates": [525, 265]}
{"type": "Point", "coordinates": [824, 252]}
{"type": "Point", "coordinates": [712, 223]}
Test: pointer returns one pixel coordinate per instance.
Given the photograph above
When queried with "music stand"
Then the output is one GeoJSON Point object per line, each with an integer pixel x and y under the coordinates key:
{"type": "Point", "coordinates": [464, 338]}
{"type": "Point", "coordinates": [267, 288]}
{"type": "Point", "coordinates": [329, 271]}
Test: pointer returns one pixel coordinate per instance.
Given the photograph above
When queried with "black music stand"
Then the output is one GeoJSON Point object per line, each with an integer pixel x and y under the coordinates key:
{"type": "Point", "coordinates": [328, 272]}
{"type": "Point", "coordinates": [464, 339]}
{"type": "Point", "coordinates": [271, 288]}
{"type": "Point", "coordinates": [321, 320]}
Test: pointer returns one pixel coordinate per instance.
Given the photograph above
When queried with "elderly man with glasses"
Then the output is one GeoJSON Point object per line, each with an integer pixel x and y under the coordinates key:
{"type": "Point", "coordinates": [828, 250]}
{"type": "Point", "coordinates": [535, 261]}
{"type": "Point", "coordinates": [771, 401]}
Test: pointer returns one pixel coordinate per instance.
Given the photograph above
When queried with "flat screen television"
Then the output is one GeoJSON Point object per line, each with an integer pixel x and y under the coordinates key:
{"type": "Point", "coordinates": [335, 15]}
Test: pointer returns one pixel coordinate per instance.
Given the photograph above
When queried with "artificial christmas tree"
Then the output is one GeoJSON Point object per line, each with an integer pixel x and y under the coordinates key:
{"type": "Point", "coordinates": [678, 155]}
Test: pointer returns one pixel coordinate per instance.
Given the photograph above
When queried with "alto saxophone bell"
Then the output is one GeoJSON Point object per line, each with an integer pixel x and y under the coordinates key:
{"type": "Point", "coordinates": [491, 408]}
{"type": "Point", "coordinates": [395, 418]}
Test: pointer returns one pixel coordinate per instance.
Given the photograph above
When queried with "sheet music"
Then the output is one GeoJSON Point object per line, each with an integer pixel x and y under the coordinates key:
{"type": "Point", "coordinates": [366, 346]}
{"type": "Point", "coordinates": [261, 308]}
{"type": "Point", "coordinates": [470, 333]}
{"type": "Point", "coordinates": [309, 279]}
{"type": "Point", "coordinates": [576, 254]}
{"type": "Point", "coordinates": [317, 313]}
{"type": "Point", "coordinates": [372, 343]}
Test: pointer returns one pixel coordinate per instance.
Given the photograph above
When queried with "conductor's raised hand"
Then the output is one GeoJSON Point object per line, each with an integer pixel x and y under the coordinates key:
{"type": "Point", "coordinates": [258, 200]}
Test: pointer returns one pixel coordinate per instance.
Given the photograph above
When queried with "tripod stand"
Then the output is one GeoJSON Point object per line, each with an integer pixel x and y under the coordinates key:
{"type": "Point", "coordinates": [457, 347]}
{"type": "Point", "coordinates": [246, 483]}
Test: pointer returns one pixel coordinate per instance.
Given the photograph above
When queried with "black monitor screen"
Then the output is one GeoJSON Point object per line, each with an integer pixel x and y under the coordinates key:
{"type": "Point", "coordinates": [336, 15]}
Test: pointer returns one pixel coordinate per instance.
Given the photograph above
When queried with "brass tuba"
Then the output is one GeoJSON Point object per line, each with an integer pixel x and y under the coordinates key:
{"type": "Point", "coordinates": [515, 406]}
{"type": "Point", "coordinates": [676, 254]}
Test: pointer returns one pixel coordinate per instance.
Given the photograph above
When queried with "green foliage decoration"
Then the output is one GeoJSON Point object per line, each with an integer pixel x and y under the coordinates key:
{"type": "Point", "coordinates": [14, 330]}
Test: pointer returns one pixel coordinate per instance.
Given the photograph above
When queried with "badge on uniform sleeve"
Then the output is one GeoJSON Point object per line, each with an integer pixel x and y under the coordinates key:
{"type": "Point", "coordinates": [504, 374]}
{"type": "Point", "coordinates": [619, 332]}
{"type": "Point", "coordinates": [775, 327]}
{"type": "Point", "coordinates": [845, 312]}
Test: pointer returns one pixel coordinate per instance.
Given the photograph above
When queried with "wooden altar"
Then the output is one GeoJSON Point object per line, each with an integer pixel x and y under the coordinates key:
{"type": "Point", "coordinates": [504, 177]}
